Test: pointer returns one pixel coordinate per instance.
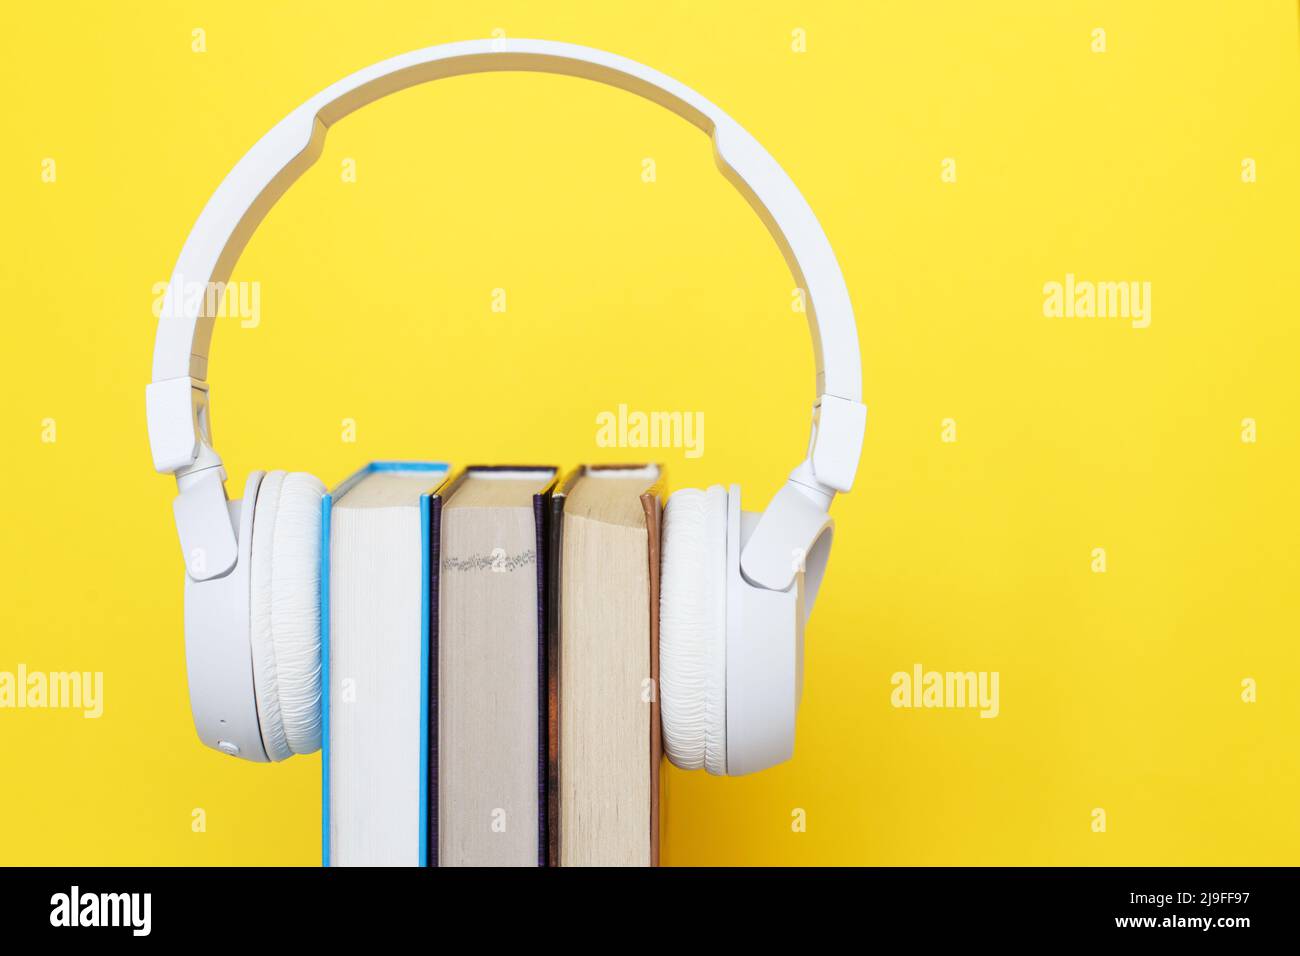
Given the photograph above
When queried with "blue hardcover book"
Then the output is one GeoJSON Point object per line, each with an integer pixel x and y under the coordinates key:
{"type": "Point", "coordinates": [375, 621]}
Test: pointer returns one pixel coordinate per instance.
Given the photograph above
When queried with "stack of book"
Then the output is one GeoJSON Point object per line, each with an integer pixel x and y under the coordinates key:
{"type": "Point", "coordinates": [490, 657]}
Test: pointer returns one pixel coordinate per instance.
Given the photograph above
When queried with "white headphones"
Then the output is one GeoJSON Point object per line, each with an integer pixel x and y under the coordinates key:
{"type": "Point", "coordinates": [736, 586]}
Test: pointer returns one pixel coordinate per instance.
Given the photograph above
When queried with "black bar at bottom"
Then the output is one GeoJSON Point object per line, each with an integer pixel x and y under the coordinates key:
{"type": "Point", "coordinates": [482, 907]}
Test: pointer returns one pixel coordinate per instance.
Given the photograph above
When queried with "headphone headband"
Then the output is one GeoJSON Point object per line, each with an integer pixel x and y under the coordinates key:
{"type": "Point", "coordinates": [177, 398]}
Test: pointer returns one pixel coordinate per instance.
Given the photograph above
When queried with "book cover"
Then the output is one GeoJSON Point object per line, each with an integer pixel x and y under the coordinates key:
{"type": "Point", "coordinates": [652, 504]}
{"type": "Point", "coordinates": [542, 509]}
{"type": "Point", "coordinates": [437, 472]}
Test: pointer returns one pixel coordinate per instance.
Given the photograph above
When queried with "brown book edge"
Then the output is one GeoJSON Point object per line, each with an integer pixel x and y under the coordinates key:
{"type": "Point", "coordinates": [652, 502]}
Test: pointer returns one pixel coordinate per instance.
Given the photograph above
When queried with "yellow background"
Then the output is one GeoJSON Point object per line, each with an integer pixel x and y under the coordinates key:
{"type": "Point", "coordinates": [1119, 691]}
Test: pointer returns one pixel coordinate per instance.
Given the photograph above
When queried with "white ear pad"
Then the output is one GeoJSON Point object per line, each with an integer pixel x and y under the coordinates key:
{"type": "Point", "coordinates": [693, 629]}
{"type": "Point", "coordinates": [284, 612]}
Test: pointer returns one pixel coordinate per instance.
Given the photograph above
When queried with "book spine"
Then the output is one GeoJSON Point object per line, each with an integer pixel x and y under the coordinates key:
{"type": "Point", "coordinates": [427, 603]}
{"type": "Point", "coordinates": [555, 531]}
{"type": "Point", "coordinates": [653, 506]}
{"type": "Point", "coordinates": [326, 508]}
{"type": "Point", "coordinates": [541, 519]}
{"type": "Point", "coordinates": [429, 829]}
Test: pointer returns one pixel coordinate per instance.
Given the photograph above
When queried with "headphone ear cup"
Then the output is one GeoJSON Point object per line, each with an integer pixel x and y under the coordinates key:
{"type": "Point", "coordinates": [284, 612]}
{"type": "Point", "coordinates": [693, 629]}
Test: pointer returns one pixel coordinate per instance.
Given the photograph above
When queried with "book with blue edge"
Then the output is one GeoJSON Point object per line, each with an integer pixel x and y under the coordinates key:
{"type": "Point", "coordinates": [375, 612]}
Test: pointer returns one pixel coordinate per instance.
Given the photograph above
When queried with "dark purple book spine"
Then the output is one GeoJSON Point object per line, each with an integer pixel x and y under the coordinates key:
{"type": "Point", "coordinates": [541, 517]}
{"type": "Point", "coordinates": [435, 565]}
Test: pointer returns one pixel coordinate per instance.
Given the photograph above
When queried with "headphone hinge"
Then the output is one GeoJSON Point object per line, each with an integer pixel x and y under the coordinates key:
{"type": "Point", "coordinates": [181, 438]}
{"type": "Point", "coordinates": [839, 426]}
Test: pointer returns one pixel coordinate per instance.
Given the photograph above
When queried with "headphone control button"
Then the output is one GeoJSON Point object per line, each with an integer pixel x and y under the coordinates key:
{"type": "Point", "coordinates": [226, 747]}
